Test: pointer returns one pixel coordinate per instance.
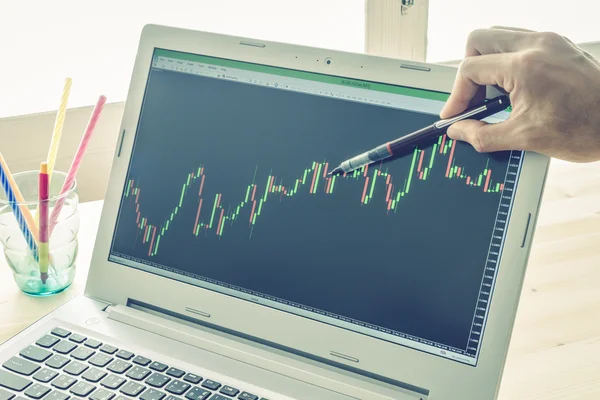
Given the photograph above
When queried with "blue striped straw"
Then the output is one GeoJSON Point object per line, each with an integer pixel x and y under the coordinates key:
{"type": "Point", "coordinates": [10, 195]}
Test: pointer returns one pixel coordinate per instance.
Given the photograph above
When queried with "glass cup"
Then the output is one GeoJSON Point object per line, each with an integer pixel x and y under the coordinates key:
{"type": "Point", "coordinates": [63, 238]}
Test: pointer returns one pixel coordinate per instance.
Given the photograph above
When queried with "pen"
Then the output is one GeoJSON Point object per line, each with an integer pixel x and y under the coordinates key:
{"type": "Point", "coordinates": [405, 144]}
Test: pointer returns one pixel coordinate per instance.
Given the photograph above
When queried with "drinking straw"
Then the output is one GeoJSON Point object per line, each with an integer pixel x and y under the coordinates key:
{"type": "Point", "coordinates": [19, 209]}
{"type": "Point", "coordinates": [76, 162]}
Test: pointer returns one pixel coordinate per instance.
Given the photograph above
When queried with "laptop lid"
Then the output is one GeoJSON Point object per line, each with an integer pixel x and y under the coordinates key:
{"type": "Point", "coordinates": [219, 204]}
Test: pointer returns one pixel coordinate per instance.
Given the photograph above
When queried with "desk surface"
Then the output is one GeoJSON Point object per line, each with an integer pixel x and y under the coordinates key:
{"type": "Point", "coordinates": [555, 348]}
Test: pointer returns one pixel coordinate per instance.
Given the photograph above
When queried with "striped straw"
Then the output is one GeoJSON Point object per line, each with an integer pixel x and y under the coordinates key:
{"type": "Point", "coordinates": [76, 162]}
{"type": "Point", "coordinates": [5, 182]}
{"type": "Point", "coordinates": [58, 128]}
{"type": "Point", "coordinates": [31, 224]}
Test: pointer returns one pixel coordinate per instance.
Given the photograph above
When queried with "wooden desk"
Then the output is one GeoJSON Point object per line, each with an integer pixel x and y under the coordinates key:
{"type": "Point", "coordinates": [555, 349]}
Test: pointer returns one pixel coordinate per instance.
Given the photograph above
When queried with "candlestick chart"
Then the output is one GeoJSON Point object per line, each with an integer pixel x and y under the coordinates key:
{"type": "Point", "coordinates": [215, 214]}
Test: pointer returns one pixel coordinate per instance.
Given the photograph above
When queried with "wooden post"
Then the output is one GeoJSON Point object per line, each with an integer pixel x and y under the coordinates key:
{"type": "Point", "coordinates": [392, 30]}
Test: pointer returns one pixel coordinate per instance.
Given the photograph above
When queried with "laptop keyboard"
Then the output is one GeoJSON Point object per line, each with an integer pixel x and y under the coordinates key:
{"type": "Point", "coordinates": [63, 365]}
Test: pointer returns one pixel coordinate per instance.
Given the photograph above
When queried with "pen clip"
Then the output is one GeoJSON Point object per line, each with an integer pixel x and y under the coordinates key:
{"type": "Point", "coordinates": [444, 123]}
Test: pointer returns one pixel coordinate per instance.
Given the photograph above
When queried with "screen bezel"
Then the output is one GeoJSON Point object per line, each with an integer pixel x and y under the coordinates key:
{"type": "Point", "coordinates": [375, 356]}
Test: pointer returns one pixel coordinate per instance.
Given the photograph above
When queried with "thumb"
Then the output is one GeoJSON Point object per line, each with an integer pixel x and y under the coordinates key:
{"type": "Point", "coordinates": [486, 138]}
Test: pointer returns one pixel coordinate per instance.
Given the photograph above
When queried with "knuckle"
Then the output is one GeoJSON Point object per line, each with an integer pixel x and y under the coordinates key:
{"type": "Point", "coordinates": [549, 39]}
{"type": "Point", "coordinates": [528, 60]}
{"type": "Point", "coordinates": [465, 64]}
{"type": "Point", "coordinates": [474, 36]}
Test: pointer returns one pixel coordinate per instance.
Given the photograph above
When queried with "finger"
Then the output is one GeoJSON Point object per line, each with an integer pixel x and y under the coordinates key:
{"type": "Point", "coordinates": [486, 138]}
{"type": "Point", "coordinates": [473, 73]}
{"type": "Point", "coordinates": [490, 41]}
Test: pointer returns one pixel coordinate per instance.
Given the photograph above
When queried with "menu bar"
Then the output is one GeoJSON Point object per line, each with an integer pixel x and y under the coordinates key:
{"type": "Point", "coordinates": [319, 88]}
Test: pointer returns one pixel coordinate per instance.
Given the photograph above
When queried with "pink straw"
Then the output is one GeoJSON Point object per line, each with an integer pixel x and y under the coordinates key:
{"type": "Point", "coordinates": [76, 162]}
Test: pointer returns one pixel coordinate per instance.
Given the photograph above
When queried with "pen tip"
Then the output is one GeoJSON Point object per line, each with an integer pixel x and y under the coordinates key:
{"type": "Point", "coordinates": [335, 171]}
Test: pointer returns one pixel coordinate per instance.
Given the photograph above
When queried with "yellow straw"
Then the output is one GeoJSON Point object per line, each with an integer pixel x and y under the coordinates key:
{"type": "Point", "coordinates": [58, 127]}
{"type": "Point", "coordinates": [56, 134]}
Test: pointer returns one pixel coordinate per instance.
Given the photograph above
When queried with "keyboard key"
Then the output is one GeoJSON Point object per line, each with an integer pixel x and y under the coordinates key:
{"type": "Point", "coordinates": [170, 397]}
{"type": "Point", "coordinates": [247, 396]}
{"type": "Point", "coordinates": [138, 373]}
{"type": "Point", "coordinates": [219, 397]}
{"type": "Point", "coordinates": [64, 382]}
{"type": "Point", "coordinates": [82, 389]}
{"type": "Point", "coordinates": [93, 343]}
{"type": "Point", "coordinates": [101, 394]}
{"type": "Point", "coordinates": [192, 378]}
{"type": "Point", "coordinates": [94, 375]}
{"type": "Point", "coordinates": [21, 366]}
{"type": "Point", "coordinates": [37, 391]}
{"type": "Point", "coordinates": [54, 395]}
{"type": "Point", "coordinates": [113, 382]}
{"type": "Point", "coordinates": [5, 395]}
{"type": "Point", "coordinates": [197, 393]}
{"type": "Point", "coordinates": [120, 397]}
{"type": "Point", "coordinates": [152, 394]}
{"type": "Point", "coordinates": [75, 368]}
{"type": "Point", "coordinates": [177, 387]}
{"type": "Point", "coordinates": [47, 341]}
{"type": "Point", "coordinates": [160, 367]}
{"type": "Point", "coordinates": [229, 391]}
{"type": "Point", "coordinates": [124, 354]}
{"type": "Point", "coordinates": [57, 361]}
{"type": "Point", "coordinates": [82, 353]}
{"type": "Point", "coordinates": [100, 360]}
{"type": "Point", "coordinates": [13, 382]}
{"type": "Point", "coordinates": [119, 366]}
{"type": "Point", "coordinates": [132, 389]}
{"type": "Point", "coordinates": [157, 380]}
{"type": "Point", "coordinates": [64, 347]}
{"type": "Point", "coordinates": [143, 361]}
{"type": "Point", "coordinates": [45, 375]}
{"type": "Point", "coordinates": [212, 385]}
{"type": "Point", "coordinates": [77, 338]}
{"type": "Point", "coordinates": [107, 348]}
{"type": "Point", "coordinates": [60, 332]}
{"type": "Point", "coordinates": [177, 373]}
{"type": "Point", "coordinates": [34, 353]}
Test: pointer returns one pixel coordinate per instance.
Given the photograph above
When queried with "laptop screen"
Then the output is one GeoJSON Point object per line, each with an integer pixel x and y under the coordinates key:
{"type": "Point", "coordinates": [227, 189]}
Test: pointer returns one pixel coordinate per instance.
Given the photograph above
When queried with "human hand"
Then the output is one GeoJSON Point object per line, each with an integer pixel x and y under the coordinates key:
{"type": "Point", "coordinates": [554, 88]}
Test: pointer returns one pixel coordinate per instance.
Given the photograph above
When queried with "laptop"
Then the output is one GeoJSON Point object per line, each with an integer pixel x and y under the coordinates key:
{"type": "Point", "coordinates": [229, 265]}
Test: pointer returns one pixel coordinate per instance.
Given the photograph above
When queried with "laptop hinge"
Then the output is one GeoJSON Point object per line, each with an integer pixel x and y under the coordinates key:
{"type": "Point", "coordinates": [103, 303]}
{"type": "Point", "coordinates": [187, 331]}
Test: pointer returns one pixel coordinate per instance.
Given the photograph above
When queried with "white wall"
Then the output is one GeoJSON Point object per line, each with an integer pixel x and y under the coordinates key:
{"type": "Point", "coordinates": [95, 43]}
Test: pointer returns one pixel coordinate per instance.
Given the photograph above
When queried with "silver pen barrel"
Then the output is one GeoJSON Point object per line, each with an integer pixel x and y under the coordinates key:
{"type": "Point", "coordinates": [377, 154]}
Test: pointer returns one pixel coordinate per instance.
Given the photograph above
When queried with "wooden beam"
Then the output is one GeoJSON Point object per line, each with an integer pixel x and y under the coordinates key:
{"type": "Point", "coordinates": [392, 30]}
